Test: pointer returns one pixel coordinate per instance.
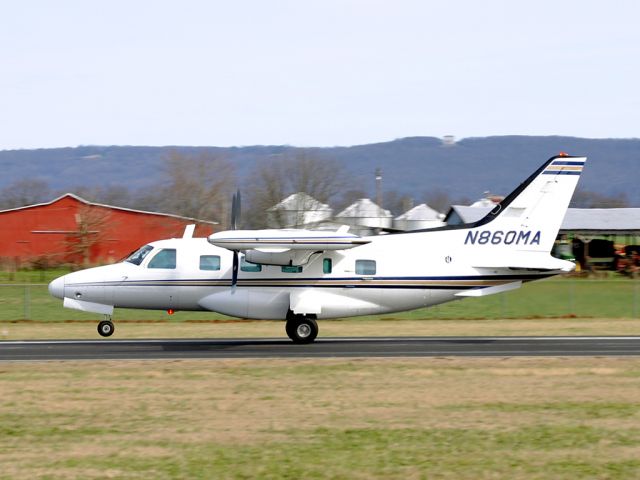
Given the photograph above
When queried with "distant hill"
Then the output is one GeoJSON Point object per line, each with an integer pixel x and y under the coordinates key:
{"type": "Point", "coordinates": [412, 166]}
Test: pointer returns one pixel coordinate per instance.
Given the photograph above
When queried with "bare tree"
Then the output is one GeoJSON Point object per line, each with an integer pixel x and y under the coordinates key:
{"type": "Point", "coordinates": [348, 197]}
{"type": "Point", "coordinates": [396, 202]}
{"type": "Point", "coordinates": [116, 195]}
{"type": "Point", "coordinates": [588, 199]}
{"type": "Point", "coordinates": [91, 222]}
{"type": "Point", "coordinates": [298, 171]}
{"type": "Point", "coordinates": [198, 186]}
{"type": "Point", "coordinates": [438, 200]}
{"type": "Point", "coordinates": [26, 191]}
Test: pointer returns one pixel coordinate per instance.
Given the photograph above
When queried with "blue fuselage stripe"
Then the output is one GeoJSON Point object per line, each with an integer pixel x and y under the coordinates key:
{"type": "Point", "coordinates": [561, 172]}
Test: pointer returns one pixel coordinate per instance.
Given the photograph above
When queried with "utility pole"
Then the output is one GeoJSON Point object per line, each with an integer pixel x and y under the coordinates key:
{"type": "Point", "coordinates": [379, 187]}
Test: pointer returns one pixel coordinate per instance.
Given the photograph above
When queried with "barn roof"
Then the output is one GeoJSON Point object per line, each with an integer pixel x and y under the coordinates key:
{"type": "Point", "coordinates": [112, 207]}
{"type": "Point", "coordinates": [619, 220]}
{"type": "Point", "coordinates": [586, 220]}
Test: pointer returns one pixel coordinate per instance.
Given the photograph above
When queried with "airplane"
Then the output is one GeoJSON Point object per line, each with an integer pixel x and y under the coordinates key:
{"type": "Point", "coordinates": [302, 276]}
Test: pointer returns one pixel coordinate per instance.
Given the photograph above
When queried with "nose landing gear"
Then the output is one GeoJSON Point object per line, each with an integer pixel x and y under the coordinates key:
{"type": "Point", "coordinates": [301, 328]}
{"type": "Point", "coordinates": [105, 327]}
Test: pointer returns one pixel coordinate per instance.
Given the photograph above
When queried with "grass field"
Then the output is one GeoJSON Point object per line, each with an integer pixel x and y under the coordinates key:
{"type": "Point", "coordinates": [514, 418]}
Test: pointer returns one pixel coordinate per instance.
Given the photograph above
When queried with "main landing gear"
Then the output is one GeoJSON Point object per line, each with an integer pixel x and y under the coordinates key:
{"type": "Point", "coordinates": [105, 327]}
{"type": "Point", "coordinates": [301, 328]}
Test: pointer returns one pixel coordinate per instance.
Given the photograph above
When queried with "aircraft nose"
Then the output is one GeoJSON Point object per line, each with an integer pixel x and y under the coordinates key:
{"type": "Point", "coordinates": [56, 287]}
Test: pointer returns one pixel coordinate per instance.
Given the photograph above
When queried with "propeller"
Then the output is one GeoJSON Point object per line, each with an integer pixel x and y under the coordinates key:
{"type": "Point", "coordinates": [234, 271]}
{"type": "Point", "coordinates": [235, 210]}
{"type": "Point", "coordinates": [235, 219]}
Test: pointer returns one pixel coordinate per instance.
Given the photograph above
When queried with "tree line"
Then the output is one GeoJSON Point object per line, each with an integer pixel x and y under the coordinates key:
{"type": "Point", "coordinates": [201, 186]}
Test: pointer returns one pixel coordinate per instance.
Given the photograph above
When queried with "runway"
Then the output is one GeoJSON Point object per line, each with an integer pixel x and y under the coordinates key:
{"type": "Point", "coordinates": [37, 350]}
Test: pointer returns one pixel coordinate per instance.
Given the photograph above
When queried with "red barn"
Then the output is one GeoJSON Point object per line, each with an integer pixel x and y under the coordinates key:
{"type": "Point", "coordinates": [70, 229]}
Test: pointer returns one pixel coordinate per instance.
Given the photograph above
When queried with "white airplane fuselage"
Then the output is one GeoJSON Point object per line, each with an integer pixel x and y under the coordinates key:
{"type": "Point", "coordinates": [303, 275]}
{"type": "Point", "coordinates": [412, 270]}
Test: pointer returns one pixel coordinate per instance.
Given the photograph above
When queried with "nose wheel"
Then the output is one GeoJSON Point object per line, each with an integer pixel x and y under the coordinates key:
{"type": "Point", "coordinates": [302, 329]}
{"type": "Point", "coordinates": [106, 328]}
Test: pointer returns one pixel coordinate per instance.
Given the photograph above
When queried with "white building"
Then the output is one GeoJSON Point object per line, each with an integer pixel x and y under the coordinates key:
{"type": "Point", "coordinates": [419, 217]}
{"type": "Point", "coordinates": [298, 210]}
{"type": "Point", "coordinates": [365, 216]}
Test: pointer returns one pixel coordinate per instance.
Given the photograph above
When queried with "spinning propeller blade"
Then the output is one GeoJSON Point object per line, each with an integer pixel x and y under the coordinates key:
{"type": "Point", "coordinates": [234, 270]}
{"type": "Point", "coordinates": [235, 220]}
{"type": "Point", "coordinates": [235, 210]}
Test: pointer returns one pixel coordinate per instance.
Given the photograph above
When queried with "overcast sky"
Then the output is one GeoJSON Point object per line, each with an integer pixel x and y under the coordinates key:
{"type": "Point", "coordinates": [314, 73]}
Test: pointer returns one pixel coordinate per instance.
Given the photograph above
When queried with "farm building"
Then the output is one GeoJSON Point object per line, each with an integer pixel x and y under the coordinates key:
{"type": "Point", "coordinates": [298, 210]}
{"type": "Point", "coordinates": [421, 216]}
{"type": "Point", "coordinates": [70, 229]}
{"type": "Point", "coordinates": [365, 217]}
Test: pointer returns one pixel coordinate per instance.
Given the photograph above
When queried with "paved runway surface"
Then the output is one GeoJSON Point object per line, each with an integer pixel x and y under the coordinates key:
{"type": "Point", "coordinates": [326, 347]}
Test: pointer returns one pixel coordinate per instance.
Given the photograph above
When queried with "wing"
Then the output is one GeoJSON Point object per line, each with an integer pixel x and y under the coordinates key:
{"type": "Point", "coordinates": [284, 246]}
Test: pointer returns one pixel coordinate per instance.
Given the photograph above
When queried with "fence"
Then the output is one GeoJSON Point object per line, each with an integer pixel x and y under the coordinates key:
{"type": "Point", "coordinates": [610, 298]}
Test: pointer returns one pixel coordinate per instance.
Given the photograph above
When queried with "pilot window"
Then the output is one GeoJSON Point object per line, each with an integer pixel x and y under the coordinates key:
{"type": "Point", "coordinates": [209, 262]}
{"type": "Point", "coordinates": [292, 269]}
{"type": "Point", "coordinates": [138, 256]}
{"type": "Point", "coordinates": [365, 267]}
{"type": "Point", "coordinates": [165, 258]}
{"type": "Point", "coordinates": [326, 265]}
{"type": "Point", "coordinates": [249, 267]}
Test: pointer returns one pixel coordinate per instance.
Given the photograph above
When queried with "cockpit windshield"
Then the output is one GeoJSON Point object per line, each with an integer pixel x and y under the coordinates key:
{"type": "Point", "coordinates": [138, 256]}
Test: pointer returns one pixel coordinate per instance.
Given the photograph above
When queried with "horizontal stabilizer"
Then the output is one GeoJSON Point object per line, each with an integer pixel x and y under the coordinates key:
{"type": "Point", "coordinates": [532, 261]}
{"type": "Point", "coordinates": [483, 292]}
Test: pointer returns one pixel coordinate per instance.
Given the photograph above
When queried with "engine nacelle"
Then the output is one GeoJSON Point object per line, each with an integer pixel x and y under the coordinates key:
{"type": "Point", "coordinates": [286, 258]}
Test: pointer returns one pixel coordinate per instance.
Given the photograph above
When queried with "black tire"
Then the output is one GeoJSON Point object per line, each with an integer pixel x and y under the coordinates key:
{"type": "Point", "coordinates": [290, 327]}
{"type": "Point", "coordinates": [302, 329]}
{"type": "Point", "coordinates": [106, 328]}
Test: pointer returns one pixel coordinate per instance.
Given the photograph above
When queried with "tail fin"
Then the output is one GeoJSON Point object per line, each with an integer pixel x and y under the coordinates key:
{"type": "Point", "coordinates": [529, 218]}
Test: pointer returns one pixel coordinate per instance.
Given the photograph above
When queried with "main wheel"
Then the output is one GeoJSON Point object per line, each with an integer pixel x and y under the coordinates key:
{"type": "Point", "coordinates": [106, 328]}
{"type": "Point", "coordinates": [302, 329]}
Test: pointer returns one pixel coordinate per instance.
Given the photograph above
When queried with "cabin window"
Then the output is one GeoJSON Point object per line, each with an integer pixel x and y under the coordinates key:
{"type": "Point", "coordinates": [165, 258]}
{"type": "Point", "coordinates": [327, 265]}
{"type": "Point", "coordinates": [209, 262]}
{"type": "Point", "coordinates": [365, 267]}
{"type": "Point", "coordinates": [292, 269]}
{"type": "Point", "coordinates": [249, 267]}
{"type": "Point", "coordinates": [138, 256]}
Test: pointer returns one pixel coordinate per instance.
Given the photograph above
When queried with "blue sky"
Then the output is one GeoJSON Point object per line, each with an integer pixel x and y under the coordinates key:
{"type": "Point", "coordinates": [314, 73]}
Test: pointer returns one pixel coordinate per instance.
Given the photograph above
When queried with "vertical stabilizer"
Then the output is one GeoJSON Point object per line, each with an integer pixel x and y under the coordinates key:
{"type": "Point", "coordinates": [530, 217]}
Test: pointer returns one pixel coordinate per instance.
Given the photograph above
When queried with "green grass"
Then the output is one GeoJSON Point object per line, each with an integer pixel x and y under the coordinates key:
{"type": "Point", "coordinates": [612, 298]}
{"type": "Point", "coordinates": [32, 276]}
{"type": "Point", "coordinates": [386, 453]}
{"type": "Point", "coordinates": [575, 410]}
{"type": "Point", "coordinates": [557, 297]}
{"type": "Point", "coordinates": [340, 419]}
